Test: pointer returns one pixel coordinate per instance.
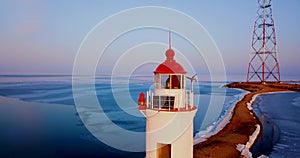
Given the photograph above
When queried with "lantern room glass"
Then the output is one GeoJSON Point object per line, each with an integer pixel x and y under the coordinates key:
{"type": "Point", "coordinates": [169, 81]}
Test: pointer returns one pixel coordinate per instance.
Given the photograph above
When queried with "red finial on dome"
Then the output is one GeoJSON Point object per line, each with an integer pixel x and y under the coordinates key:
{"type": "Point", "coordinates": [170, 52]}
{"type": "Point", "coordinates": [170, 66]}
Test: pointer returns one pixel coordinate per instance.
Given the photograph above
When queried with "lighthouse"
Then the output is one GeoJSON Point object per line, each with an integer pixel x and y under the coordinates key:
{"type": "Point", "coordinates": [169, 111]}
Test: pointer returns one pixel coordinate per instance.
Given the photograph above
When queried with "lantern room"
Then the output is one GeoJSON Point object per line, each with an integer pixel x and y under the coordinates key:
{"type": "Point", "coordinates": [169, 74]}
{"type": "Point", "coordinates": [169, 87]}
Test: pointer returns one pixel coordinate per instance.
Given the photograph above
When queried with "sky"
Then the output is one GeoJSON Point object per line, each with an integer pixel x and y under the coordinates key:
{"type": "Point", "coordinates": [43, 37]}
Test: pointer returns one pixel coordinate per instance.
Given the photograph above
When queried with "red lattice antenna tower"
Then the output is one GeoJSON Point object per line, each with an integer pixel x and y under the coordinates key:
{"type": "Point", "coordinates": [264, 65]}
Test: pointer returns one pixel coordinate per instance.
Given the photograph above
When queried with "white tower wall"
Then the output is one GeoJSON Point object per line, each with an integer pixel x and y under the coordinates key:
{"type": "Point", "coordinates": [174, 128]}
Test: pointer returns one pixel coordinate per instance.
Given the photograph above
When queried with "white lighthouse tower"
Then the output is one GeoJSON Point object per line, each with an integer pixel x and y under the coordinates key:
{"type": "Point", "coordinates": [169, 111]}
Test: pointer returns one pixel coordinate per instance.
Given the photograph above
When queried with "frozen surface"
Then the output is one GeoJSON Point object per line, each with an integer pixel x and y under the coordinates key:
{"type": "Point", "coordinates": [57, 91]}
{"type": "Point", "coordinates": [281, 110]}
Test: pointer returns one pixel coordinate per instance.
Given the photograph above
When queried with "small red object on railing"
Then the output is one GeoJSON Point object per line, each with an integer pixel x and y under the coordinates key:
{"type": "Point", "coordinates": [142, 100]}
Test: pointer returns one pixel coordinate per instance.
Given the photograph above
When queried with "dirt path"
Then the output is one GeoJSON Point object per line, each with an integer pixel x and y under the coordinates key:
{"type": "Point", "coordinates": [242, 123]}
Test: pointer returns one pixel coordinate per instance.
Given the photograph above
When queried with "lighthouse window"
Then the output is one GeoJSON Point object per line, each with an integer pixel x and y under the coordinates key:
{"type": "Point", "coordinates": [173, 82]}
{"type": "Point", "coordinates": [169, 81]}
{"type": "Point", "coordinates": [176, 82]}
{"type": "Point", "coordinates": [163, 102]}
{"type": "Point", "coordinates": [157, 81]}
{"type": "Point", "coordinates": [164, 81]}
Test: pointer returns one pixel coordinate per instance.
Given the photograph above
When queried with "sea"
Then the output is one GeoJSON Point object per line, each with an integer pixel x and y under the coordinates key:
{"type": "Point", "coordinates": [279, 112]}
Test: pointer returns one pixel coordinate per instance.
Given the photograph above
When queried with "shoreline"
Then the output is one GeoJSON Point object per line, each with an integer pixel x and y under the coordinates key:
{"type": "Point", "coordinates": [226, 117]}
{"type": "Point", "coordinates": [243, 123]}
{"type": "Point", "coordinates": [279, 117]}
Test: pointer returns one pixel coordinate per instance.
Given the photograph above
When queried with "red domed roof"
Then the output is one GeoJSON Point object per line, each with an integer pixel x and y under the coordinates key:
{"type": "Point", "coordinates": [170, 66]}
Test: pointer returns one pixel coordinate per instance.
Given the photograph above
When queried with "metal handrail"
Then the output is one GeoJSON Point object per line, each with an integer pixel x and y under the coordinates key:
{"type": "Point", "coordinates": [155, 101]}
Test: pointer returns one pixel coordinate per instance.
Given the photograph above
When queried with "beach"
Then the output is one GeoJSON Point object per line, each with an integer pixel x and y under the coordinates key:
{"type": "Point", "coordinates": [242, 124]}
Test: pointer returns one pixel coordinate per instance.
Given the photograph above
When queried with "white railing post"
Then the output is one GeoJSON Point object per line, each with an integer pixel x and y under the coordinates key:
{"type": "Point", "coordinates": [192, 99]}
{"type": "Point", "coordinates": [185, 100]}
{"type": "Point", "coordinates": [147, 100]}
{"type": "Point", "coordinates": [151, 100]}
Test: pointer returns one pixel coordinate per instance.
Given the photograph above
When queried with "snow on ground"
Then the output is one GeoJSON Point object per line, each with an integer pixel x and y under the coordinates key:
{"type": "Point", "coordinates": [220, 123]}
{"type": "Point", "coordinates": [245, 149]}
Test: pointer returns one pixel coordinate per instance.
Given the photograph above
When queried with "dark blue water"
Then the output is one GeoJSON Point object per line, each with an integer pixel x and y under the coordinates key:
{"type": "Point", "coordinates": [279, 114]}
{"type": "Point", "coordinates": [57, 89]}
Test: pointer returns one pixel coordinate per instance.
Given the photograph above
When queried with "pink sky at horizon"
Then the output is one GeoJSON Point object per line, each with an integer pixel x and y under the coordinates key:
{"type": "Point", "coordinates": [42, 37]}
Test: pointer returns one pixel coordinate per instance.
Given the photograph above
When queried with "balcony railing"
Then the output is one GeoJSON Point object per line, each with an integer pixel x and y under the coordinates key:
{"type": "Point", "coordinates": [163, 102]}
{"type": "Point", "coordinates": [170, 103]}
